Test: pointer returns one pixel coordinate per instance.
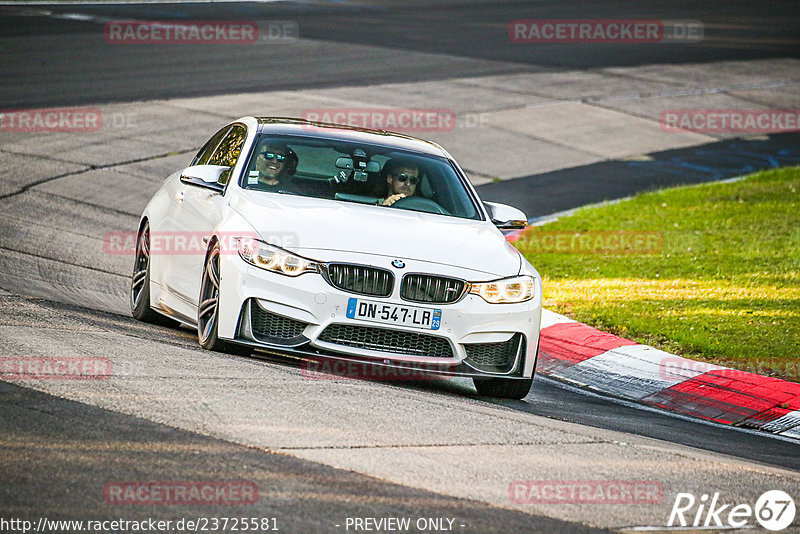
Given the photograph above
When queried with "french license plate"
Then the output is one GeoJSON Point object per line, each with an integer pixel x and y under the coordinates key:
{"type": "Point", "coordinates": [381, 312]}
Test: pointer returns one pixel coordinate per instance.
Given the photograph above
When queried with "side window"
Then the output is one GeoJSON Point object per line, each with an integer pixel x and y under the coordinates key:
{"type": "Point", "coordinates": [204, 154]}
{"type": "Point", "coordinates": [227, 153]}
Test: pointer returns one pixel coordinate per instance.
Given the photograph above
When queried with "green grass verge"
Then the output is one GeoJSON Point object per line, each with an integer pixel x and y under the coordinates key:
{"type": "Point", "coordinates": [721, 284]}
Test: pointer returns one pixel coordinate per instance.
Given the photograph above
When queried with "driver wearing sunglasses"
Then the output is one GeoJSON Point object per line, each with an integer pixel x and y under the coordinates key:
{"type": "Point", "coordinates": [402, 179]}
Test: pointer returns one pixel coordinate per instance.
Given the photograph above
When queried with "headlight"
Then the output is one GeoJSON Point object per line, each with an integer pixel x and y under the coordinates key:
{"type": "Point", "coordinates": [506, 291]}
{"type": "Point", "coordinates": [273, 259]}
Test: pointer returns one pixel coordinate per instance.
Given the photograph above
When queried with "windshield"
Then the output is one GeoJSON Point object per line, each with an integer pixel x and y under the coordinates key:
{"type": "Point", "coordinates": [347, 171]}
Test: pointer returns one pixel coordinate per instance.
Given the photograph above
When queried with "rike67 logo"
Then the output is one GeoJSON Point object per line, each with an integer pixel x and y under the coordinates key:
{"type": "Point", "coordinates": [774, 510]}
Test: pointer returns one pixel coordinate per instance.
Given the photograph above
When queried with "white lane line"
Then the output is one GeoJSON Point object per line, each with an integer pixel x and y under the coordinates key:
{"type": "Point", "coordinates": [635, 371]}
{"type": "Point", "coordinates": [288, 31]}
{"type": "Point", "coordinates": [793, 432]}
{"type": "Point", "coordinates": [785, 422]}
{"type": "Point", "coordinates": [546, 219]}
{"type": "Point", "coordinates": [632, 404]}
{"type": "Point", "coordinates": [133, 2]}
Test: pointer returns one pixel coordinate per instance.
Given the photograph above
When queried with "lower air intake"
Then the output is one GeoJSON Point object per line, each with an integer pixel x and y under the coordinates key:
{"type": "Point", "coordinates": [494, 357]}
{"type": "Point", "coordinates": [270, 326]}
{"type": "Point", "coordinates": [386, 340]}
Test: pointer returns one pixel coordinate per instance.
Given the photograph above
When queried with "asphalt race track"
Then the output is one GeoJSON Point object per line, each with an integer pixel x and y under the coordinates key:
{"type": "Point", "coordinates": [406, 41]}
{"type": "Point", "coordinates": [323, 451]}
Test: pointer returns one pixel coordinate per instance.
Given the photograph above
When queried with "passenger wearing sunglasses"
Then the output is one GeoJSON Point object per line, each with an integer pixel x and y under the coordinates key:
{"type": "Point", "coordinates": [402, 178]}
{"type": "Point", "coordinates": [273, 164]}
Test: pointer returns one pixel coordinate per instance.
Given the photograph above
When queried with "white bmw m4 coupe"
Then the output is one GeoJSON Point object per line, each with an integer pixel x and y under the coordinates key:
{"type": "Point", "coordinates": [319, 241]}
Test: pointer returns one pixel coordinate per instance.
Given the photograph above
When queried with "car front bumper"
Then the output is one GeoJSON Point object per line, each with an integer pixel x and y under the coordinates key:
{"type": "Point", "coordinates": [306, 316]}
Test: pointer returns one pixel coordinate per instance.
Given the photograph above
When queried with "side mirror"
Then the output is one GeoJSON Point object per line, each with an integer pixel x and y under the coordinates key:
{"type": "Point", "coordinates": [506, 217]}
{"type": "Point", "coordinates": [208, 176]}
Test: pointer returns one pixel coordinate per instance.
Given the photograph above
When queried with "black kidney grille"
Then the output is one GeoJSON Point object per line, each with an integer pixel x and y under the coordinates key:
{"type": "Point", "coordinates": [493, 357]}
{"type": "Point", "coordinates": [386, 340]}
{"type": "Point", "coordinates": [267, 324]}
{"type": "Point", "coordinates": [430, 288]}
{"type": "Point", "coordinates": [360, 279]}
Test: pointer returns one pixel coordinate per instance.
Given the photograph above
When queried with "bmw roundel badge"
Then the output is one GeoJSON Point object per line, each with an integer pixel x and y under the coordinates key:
{"type": "Point", "coordinates": [398, 263]}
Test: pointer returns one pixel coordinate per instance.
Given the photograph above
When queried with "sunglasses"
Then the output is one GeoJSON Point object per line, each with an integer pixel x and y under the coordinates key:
{"type": "Point", "coordinates": [273, 155]}
{"type": "Point", "coordinates": [413, 180]}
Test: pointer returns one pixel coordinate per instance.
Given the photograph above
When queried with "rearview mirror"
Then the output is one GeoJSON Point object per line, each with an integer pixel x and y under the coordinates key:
{"type": "Point", "coordinates": [506, 217]}
{"type": "Point", "coordinates": [344, 163]}
{"type": "Point", "coordinates": [348, 163]}
{"type": "Point", "coordinates": [208, 176]}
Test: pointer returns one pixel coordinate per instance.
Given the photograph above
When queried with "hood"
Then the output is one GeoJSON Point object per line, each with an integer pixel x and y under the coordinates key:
{"type": "Point", "coordinates": [304, 224]}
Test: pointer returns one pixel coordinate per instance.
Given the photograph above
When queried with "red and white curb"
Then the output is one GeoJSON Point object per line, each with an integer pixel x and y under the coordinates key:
{"type": "Point", "coordinates": [587, 357]}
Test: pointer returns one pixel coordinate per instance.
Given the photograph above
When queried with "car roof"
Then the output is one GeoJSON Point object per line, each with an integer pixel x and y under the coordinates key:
{"type": "Point", "coordinates": [302, 127]}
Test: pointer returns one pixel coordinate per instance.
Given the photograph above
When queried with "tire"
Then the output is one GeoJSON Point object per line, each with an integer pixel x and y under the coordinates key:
{"type": "Point", "coordinates": [208, 308]}
{"type": "Point", "coordinates": [504, 388]}
{"type": "Point", "coordinates": [140, 283]}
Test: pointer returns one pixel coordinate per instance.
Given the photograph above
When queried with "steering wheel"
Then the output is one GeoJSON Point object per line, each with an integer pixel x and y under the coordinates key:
{"type": "Point", "coordinates": [420, 204]}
